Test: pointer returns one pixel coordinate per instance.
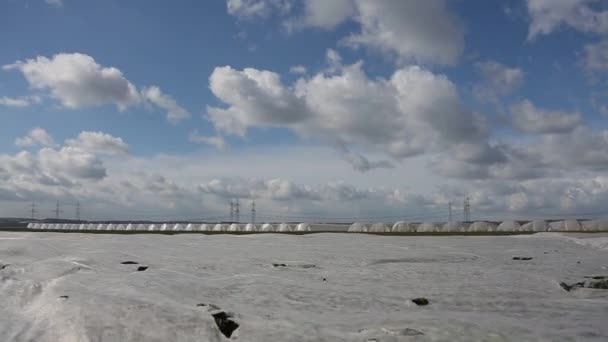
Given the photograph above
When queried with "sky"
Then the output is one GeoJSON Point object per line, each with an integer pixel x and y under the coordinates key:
{"type": "Point", "coordinates": [342, 110]}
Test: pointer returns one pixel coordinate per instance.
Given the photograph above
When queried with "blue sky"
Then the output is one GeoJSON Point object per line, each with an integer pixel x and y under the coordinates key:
{"type": "Point", "coordinates": [513, 80]}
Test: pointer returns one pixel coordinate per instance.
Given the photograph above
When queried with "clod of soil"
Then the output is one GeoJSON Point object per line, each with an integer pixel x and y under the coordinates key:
{"type": "Point", "coordinates": [597, 282]}
{"type": "Point", "coordinates": [3, 267]}
{"type": "Point", "coordinates": [64, 297]}
{"type": "Point", "coordinates": [522, 258]}
{"type": "Point", "coordinates": [129, 263]}
{"type": "Point", "coordinates": [225, 323]}
{"type": "Point", "coordinates": [142, 268]}
{"type": "Point", "coordinates": [420, 301]}
{"type": "Point", "coordinates": [279, 265]}
{"type": "Point", "coordinates": [411, 332]}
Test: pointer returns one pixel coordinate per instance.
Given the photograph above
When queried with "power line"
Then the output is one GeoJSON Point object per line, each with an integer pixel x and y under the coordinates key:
{"type": "Point", "coordinates": [78, 211]}
{"type": "Point", "coordinates": [253, 211]}
{"type": "Point", "coordinates": [57, 210]}
{"type": "Point", "coordinates": [231, 210]}
{"type": "Point", "coordinates": [237, 211]}
{"type": "Point", "coordinates": [33, 210]}
{"type": "Point", "coordinates": [466, 208]}
{"type": "Point", "coordinates": [450, 211]}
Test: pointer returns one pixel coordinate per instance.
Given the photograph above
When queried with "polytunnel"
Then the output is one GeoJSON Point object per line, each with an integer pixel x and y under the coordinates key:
{"type": "Point", "coordinates": [165, 227]}
{"type": "Point", "coordinates": [565, 226]}
{"type": "Point", "coordinates": [111, 226]}
{"type": "Point", "coordinates": [220, 227]}
{"type": "Point", "coordinates": [250, 227]}
{"type": "Point", "coordinates": [235, 227]}
{"type": "Point", "coordinates": [535, 226]}
{"type": "Point", "coordinates": [152, 228]}
{"type": "Point", "coordinates": [120, 227]}
{"type": "Point", "coordinates": [508, 226]}
{"type": "Point", "coordinates": [428, 227]}
{"type": "Point", "coordinates": [481, 226]}
{"type": "Point", "coordinates": [303, 227]}
{"type": "Point", "coordinates": [178, 227]}
{"type": "Point", "coordinates": [82, 226]}
{"type": "Point", "coordinates": [267, 227]}
{"type": "Point", "coordinates": [595, 225]}
{"type": "Point", "coordinates": [204, 227]}
{"type": "Point", "coordinates": [284, 227]}
{"type": "Point", "coordinates": [358, 227]}
{"type": "Point", "coordinates": [189, 227]}
{"type": "Point", "coordinates": [379, 228]}
{"type": "Point", "coordinates": [403, 227]}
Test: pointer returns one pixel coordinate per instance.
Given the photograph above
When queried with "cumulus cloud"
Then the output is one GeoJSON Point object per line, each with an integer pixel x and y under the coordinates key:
{"type": "Point", "coordinates": [595, 56]}
{"type": "Point", "coordinates": [412, 112]}
{"type": "Point", "coordinates": [175, 112]}
{"type": "Point", "coordinates": [530, 119]}
{"type": "Point", "coordinates": [360, 162]}
{"type": "Point", "coordinates": [98, 142]}
{"type": "Point", "coordinates": [257, 8]}
{"type": "Point", "coordinates": [36, 137]}
{"type": "Point", "coordinates": [498, 80]}
{"type": "Point", "coordinates": [424, 31]}
{"type": "Point", "coordinates": [76, 80]}
{"type": "Point", "coordinates": [547, 16]}
{"type": "Point", "coordinates": [297, 69]}
{"type": "Point", "coordinates": [19, 102]}
{"type": "Point", "coordinates": [215, 141]}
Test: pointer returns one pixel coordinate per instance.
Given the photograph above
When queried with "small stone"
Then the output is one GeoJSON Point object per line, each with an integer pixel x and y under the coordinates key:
{"type": "Point", "coordinates": [129, 263]}
{"type": "Point", "coordinates": [324, 279]}
{"type": "Point", "coordinates": [225, 323]}
{"type": "Point", "coordinates": [420, 301]}
{"type": "Point", "coordinates": [142, 268]}
{"type": "Point", "coordinates": [64, 297]}
{"type": "Point", "coordinates": [522, 258]}
{"type": "Point", "coordinates": [279, 265]}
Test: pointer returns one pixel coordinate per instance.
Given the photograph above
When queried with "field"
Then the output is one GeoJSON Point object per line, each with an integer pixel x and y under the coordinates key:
{"type": "Point", "coordinates": [314, 287]}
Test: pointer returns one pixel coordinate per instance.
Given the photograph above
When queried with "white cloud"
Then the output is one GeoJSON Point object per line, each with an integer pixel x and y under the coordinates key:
{"type": "Point", "coordinates": [155, 96]}
{"type": "Point", "coordinates": [360, 162]}
{"type": "Point", "coordinates": [297, 69]}
{"type": "Point", "coordinates": [498, 80]}
{"type": "Point", "coordinates": [595, 56]}
{"type": "Point", "coordinates": [57, 3]}
{"type": "Point", "coordinates": [216, 141]}
{"type": "Point", "coordinates": [530, 119]}
{"type": "Point", "coordinates": [77, 81]}
{"type": "Point", "coordinates": [423, 31]}
{"type": "Point", "coordinates": [99, 143]}
{"type": "Point", "coordinates": [412, 112]}
{"type": "Point", "coordinates": [19, 102]}
{"type": "Point", "coordinates": [548, 15]}
{"type": "Point", "coordinates": [257, 8]}
{"type": "Point", "coordinates": [35, 137]}
{"type": "Point", "coordinates": [323, 14]}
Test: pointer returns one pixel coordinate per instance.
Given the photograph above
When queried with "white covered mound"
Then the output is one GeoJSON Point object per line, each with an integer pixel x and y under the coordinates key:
{"type": "Point", "coordinates": [428, 227]}
{"type": "Point", "coordinates": [303, 227]}
{"type": "Point", "coordinates": [403, 227]}
{"type": "Point", "coordinates": [285, 227]}
{"type": "Point", "coordinates": [358, 227]}
{"type": "Point", "coordinates": [319, 287]}
{"type": "Point", "coordinates": [565, 226]}
{"type": "Point", "coordinates": [508, 226]}
{"type": "Point", "coordinates": [379, 228]}
{"type": "Point", "coordinates": [535, 226]}
{"type": "Point", "coordinates": [267, 227]}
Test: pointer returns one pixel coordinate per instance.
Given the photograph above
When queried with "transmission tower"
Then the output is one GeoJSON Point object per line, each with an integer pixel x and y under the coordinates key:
{"type": "Point", "coordinates": [450, 211]}
{"type": "Point", "coordinates": [466, 208]}
{"type": "Point", "coordinates": [237, 211]}
{"type": "Point", "coordinates": [57, 210]}
{"type": "Point", "coordinates": [253, 211]}
{"type": "Point", "coordinates": [33, 210]}
{"type": "Point", "coordinates": [78, 211]}
{"type": "Point", "coordinates": [231, 210]}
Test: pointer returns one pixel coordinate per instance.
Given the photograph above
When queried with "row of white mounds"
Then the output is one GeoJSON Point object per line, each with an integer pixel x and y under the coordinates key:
{"type": "Point", "coordinates": [481, 226]}
{"type": "Point", "coordinates": [204, 227]}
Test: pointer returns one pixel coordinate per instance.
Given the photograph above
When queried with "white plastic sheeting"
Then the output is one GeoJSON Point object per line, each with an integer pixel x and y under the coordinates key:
{"type": "Point", "coordinates": [481, 226]}
{"type": "Point", "coordinates": [565, 226]}
{"type": "Point", "coordinates": [178, 227]}
{"type": "Point", "coordinates": [285, 227]}
{"type": "Point", "coordinates": [267, 227]}
{"type": "Point", "coordinates": [250, 227]}
{"type": "Point", "coordinates": [120, 227]}
{"type": "Point", "coordinates": [358, 227]}
{"type": "Point", "coordinates": [595, 225]}
{"type": "Point", "coordinates": [235, 227]}
{"type": "Point", "coordinates": [166, 226]}
{"type": "Point", "coordinates": [303, 227]}
{"type": "Point", "coordinates": [403, 227]}
{"type": "Point", "coordinates": [204, 227]}
{"type": "Point", "coordinates": [428, 227]}
{"type": "Point", "coordinates": [508, 226]}
{"type": "Point", "coordinates": [535, 226]}
{"type": "Point", "coordinates": [190, 227]}
{"type": "Point", "coordinates": [152, 228]}
{"type": "Point", "coordinates": [379, 228]}
{"type": "Point", "coordinates": [220, 227]}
